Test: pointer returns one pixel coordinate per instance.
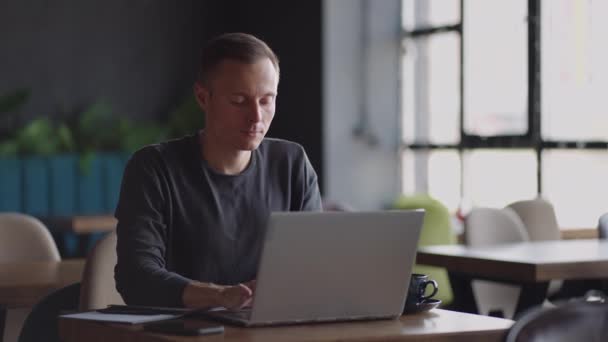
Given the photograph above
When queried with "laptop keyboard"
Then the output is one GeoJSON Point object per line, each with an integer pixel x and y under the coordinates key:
{"type": "Point", "coordinates": [245, 313]}
{"type": "Point", "coordinates": [241, 314]}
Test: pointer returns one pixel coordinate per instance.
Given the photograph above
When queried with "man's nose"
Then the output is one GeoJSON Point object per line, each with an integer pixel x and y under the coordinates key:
{"type": "Point", "coordinates": [255, 113]}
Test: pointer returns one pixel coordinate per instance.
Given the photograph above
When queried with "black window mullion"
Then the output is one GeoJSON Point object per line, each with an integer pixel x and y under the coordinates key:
{"type": "Point", "coordinates": [534, 91]}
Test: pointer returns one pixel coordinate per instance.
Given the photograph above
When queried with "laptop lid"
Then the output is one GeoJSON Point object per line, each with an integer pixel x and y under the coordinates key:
{"type": "Point", "coordinates": [323, 266]}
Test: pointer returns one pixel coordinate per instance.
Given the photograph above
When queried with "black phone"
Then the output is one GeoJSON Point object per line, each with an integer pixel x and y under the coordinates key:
{"type": "Point", "coordinates": [185, 328]}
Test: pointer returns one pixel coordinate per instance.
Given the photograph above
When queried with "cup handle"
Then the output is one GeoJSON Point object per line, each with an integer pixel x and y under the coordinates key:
{"type": "Point", "coordinates": [435, 289]}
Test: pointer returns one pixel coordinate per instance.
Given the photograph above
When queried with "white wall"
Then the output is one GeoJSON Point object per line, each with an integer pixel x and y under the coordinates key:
{"type": "Point", "coordinates": [361, 47]}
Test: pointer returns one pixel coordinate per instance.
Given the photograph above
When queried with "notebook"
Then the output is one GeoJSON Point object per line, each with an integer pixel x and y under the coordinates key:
{"type": "Point", "coordinates": [332, 266]}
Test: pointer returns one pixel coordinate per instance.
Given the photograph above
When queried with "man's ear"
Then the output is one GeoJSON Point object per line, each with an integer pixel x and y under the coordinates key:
{"type": "Point", "coordinates": [202, 95]}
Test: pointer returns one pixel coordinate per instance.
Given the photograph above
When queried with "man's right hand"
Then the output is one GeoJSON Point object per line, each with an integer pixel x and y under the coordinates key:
{"type": "Point", "coordinates": [199, 295]}
{"type": "Point", "coordinates": [236, 297]}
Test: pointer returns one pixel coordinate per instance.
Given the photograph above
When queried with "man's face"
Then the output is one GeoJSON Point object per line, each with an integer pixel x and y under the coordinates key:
{"type": "Point", "coordinates": [239, 103]}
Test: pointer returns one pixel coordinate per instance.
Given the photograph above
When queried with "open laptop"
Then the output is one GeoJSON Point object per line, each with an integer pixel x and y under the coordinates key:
{"type": "Point", "coordinates": [332, 266]}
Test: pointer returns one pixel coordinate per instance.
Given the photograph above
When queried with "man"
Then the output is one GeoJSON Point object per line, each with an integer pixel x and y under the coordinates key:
{"type": "Point", "coordinates": [191, 214]}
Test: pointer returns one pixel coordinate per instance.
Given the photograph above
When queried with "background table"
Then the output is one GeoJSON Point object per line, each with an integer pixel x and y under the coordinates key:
{"type": "Point", "coordinates": [529, 264]}
{"type": "Point", "coordinates": [23, 284]}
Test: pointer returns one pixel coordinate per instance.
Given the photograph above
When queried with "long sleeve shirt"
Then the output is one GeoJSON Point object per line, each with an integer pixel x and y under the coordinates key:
{"type": "Point", "coordinates": [179, 220]}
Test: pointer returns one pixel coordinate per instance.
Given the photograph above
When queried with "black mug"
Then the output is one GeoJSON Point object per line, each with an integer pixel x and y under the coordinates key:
{"type": "Point", "coordinates": [417, 290]}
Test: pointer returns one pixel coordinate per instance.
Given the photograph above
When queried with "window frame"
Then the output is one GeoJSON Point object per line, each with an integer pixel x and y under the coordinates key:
{"type": "Point", "coordinates": [532, 139]}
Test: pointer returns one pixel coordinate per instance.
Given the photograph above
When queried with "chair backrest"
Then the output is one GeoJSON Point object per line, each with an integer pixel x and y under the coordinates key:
{"type": "Point", "coordinates": [574, 321]}
{"type": "Point", "coordinates": [25, 238]}
{"type": "Point", "coordinates": [98, 288]}
{"type": "Point", "coordinates": [489, 226]}
{"type": "Point", "coordinates": [41, 323]}
{"type": "Point", "coordinates": [603, 226]}
{"type": "Point", "coordinates": [538, 216]}
{"type": "Point", "coordinates": [436, 230]}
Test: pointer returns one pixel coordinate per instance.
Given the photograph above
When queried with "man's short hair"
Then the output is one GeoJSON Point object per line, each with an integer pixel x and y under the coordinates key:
{"type": "Point", "coordinates": [241, 47]}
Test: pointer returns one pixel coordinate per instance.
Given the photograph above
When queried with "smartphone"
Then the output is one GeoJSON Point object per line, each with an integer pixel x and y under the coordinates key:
{"type": "Point", "coordinates": [185, 328]}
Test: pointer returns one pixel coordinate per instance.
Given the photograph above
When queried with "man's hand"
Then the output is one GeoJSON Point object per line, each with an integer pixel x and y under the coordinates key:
{"type": "Point", "coordinates": [251, 284]}
{"type": "Point", "coordinates": [207, 295]}
{"type": "Point", "coordinates": [236, 297]}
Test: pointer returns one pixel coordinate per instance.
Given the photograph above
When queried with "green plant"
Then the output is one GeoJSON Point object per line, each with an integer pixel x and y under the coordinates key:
{"type": "Point", "coordinates": [136, 135]}
{"type": "Point", "coordinates": [96, 129]}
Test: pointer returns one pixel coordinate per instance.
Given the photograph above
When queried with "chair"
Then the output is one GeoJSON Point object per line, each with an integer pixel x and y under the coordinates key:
{"type": "Point", "coordinates": [436, 230]}
{"type": "Point", "coordinates": [22, 238]}
{"type": "Point", "coordinates": [98, 287]}
{"type": "Point", "coordinates": [603, 226]}
{"type": "Point", "coordinates": [41, 323]}
{"type": "Point", "coordinates": [538, 216]}
{"type": "Point", "coordinates": [486, 227]}
{"type": "Point", "coordinates": [25, 238]}
{"type": "Point", "coordinates": [574, 321]}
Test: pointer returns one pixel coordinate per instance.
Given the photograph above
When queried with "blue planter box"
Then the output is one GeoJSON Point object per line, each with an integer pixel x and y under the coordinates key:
{"type": "Point", "coordinates": [10, 184]}
{"type": "Point", "coordinates": [114, 165]}
{"type": "Point", "coordinates": [56, 186]}
{"type": "Point", "coordinates": [63, 174]}
{"type": "Point", "coordinates": [36, 186]}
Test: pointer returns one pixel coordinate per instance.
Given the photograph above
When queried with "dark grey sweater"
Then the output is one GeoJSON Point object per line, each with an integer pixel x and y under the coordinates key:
{"type": "Point", "coordinates": [178, 220]}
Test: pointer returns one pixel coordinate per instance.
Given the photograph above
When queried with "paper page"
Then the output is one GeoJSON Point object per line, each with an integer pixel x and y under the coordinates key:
{"type": "Point", "coordinates": [118, 318]}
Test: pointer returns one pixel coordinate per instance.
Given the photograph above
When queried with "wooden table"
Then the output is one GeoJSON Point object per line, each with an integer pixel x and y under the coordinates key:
{"type": "Point", "coordinates": [579, 233]}
{"type": "Point", "coordinates": [529, 264]}
{"type": "Point", "coordinates": [81, 224]}
{"type": "Point", "coordinates": [437, 325]}
{"type": "Point", "coordinates": [23, 284]}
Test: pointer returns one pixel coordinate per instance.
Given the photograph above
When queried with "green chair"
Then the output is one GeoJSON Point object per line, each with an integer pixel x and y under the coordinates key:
{"type": "Point", "coordinates": [436, 230]}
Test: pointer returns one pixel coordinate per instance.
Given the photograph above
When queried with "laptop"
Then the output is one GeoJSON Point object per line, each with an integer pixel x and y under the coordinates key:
{"type": "Point", "coordinates": [332, 266]}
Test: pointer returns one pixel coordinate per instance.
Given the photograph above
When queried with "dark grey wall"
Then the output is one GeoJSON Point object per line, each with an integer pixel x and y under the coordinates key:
{"type": "Point", "coordinates": [141, 55]}
{"type": "Point", "coordinates": [293, 30]}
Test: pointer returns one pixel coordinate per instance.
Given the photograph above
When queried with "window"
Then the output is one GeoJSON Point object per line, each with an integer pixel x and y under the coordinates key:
{"type": "Point", "coordinates": [504, 100]}
{"type": "Point", "coordinates": [495, 67]}
{"type": "Point", "coordinates": [574, 70]}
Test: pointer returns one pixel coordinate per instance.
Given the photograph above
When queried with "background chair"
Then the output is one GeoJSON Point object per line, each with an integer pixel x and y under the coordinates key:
{"type": "Point", "coordinates": [41, 323]}
{"type": "Point", "coordinates": [436, 230]}
{"type": "Point", "coordinates": [486, 227]}
{"type": "Point", "coordinates": [538, 216]}
{"type": "Point", "coordinates": [98, 288]}
{"type": "Point", "coordinates": [25, 238]}
{"type": "Point", "coordinates": [22, 238]}
{"type": "Point", "coordinates": [602, 226]}
{"type": "Point", "coordinates": [574, 321]}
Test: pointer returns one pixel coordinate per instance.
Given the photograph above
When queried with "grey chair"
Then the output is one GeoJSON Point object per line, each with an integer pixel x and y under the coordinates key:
{"type": "Point", "coordinates": [487, 227]}
{"type": "Point", "coordinates": [538, 216]}
{"type": "Point", "coordinates": [98, 288]}
{"type": "Point", "coordinates": [574, 321]}
{"type": "Point", "coordinates": [540, 221]}
{"type": "Point", "coordinates": [41, 323]}
{"type": "Point", "coordinates": [603, 226]}
{"type": "Point", "coordinates": [22, 238]}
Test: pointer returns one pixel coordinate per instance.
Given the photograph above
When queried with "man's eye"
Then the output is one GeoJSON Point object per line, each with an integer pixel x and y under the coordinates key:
{"type": "Point", "coordinates": [266, 100]}
{"type": "Point", "coordinates": [237, 99]}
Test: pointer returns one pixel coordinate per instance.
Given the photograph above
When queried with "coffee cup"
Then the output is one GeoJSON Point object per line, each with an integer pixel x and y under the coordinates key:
{"type": "Point", "coordinates": [418, 289]}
